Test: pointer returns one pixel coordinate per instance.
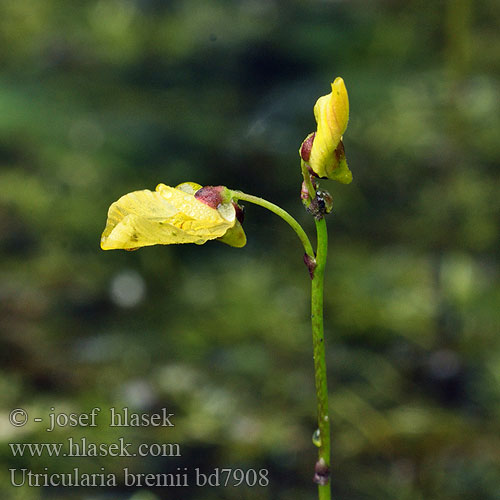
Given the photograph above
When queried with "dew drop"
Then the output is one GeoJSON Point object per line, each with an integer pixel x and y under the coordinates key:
{"type": "Point", "coordinates": [316, 438]}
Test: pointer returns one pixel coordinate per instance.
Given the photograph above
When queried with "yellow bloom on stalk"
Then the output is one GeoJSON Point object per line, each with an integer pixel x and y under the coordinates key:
{"type": "Point", "coordinates": [323, 150]}
{"type": "Point", "coordinates": [187, 213]}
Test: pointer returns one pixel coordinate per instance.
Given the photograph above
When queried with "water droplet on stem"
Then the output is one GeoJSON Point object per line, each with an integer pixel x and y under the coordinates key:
{"type": "Point", "coordinates": [316, 438]}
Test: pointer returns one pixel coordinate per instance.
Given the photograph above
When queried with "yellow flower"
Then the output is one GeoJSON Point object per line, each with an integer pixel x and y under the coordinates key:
{"type": "Point", "coordinates": [323, 151]}
{"type": "Point", "coordinates": [172, 215]}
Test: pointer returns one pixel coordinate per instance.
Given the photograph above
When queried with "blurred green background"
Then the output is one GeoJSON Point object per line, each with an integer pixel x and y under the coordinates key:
{"type": "Point", "coordinates": [99, 98]}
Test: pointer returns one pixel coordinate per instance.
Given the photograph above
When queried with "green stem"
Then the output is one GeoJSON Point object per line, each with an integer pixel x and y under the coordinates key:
{"type": "Point", "coordinates": [317, 292]}
{"type": "Point", "coordinates": [317, 286]}
{"type": "Point", "coordinates": [319, 355]}
{"type": "Point", "coordinates": [238, 195]}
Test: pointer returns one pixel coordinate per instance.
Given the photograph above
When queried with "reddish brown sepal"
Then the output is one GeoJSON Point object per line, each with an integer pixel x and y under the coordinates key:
{"type": "Point", "coordinates": [340, 152]}
{"type": "Point", "coordinates": [321, 473]}
{"type": "Point", "coordinates": [210, 195]}
{"type": "Point", "coordinates": [305, 149]}
{"type": "Point", "coordinates": [304, 193]}
{"type": "Point", "coordinates": [240, 212]}
{"type": "Point", "coordinates": [311, 264]}
{"type": "Point", "coordinates": [313, 173]}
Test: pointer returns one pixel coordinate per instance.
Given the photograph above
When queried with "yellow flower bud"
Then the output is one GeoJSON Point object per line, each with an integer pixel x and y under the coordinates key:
{"type": "Point", "coordinates": [169, 216]}
{"type": "Point", "coordinates": [326, 155]}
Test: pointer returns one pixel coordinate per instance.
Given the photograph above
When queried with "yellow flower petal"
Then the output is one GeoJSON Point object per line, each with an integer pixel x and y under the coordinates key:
{"type": "Point", "coordinates": [165, 216]}
{"type": "Point", "coordinates": [235, 236]}
{"type": "Point", "coordinates": [332, 114]}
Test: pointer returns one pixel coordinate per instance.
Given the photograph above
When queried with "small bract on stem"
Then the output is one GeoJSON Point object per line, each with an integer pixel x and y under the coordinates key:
{"type": "Point", "coordinates": [190, 213]}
